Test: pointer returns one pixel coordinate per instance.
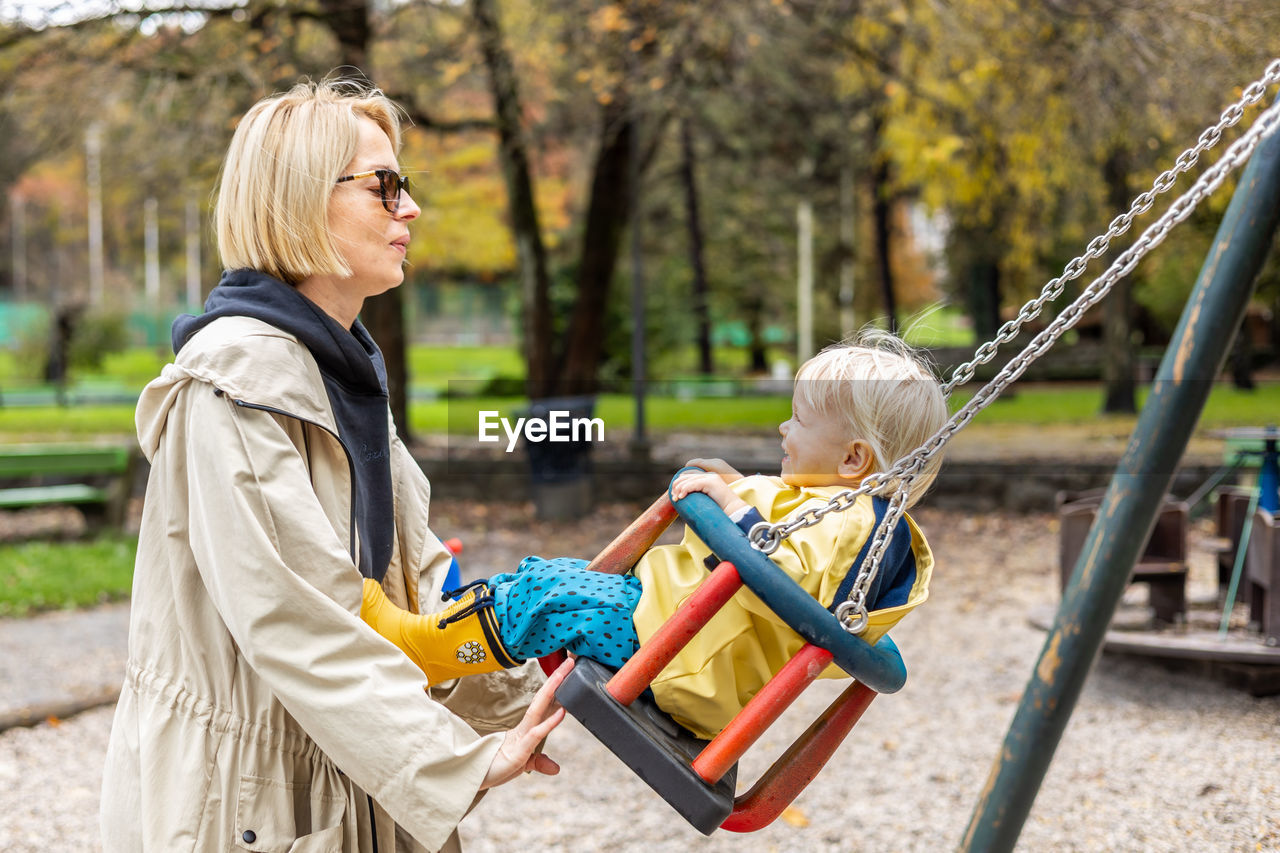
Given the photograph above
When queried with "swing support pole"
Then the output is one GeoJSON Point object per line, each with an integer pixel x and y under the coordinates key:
{"type": "Point", "coordinates": [1128, 512]}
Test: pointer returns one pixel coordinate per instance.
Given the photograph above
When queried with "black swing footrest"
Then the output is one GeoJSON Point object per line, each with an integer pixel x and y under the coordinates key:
{"type": "Point", "coordinates": [649, 742]}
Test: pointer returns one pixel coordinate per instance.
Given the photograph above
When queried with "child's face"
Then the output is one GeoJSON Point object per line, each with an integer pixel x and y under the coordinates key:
{"type": "Point", "coordinates": [814, 446]}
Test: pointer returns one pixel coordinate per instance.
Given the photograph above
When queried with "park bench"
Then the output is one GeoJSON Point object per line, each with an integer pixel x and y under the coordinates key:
{"type": "Point", "coordinates": [1162, 565]}
{"type": "Point", "coordinates": [1262, 570]}
{"type": "Point", "coordinates": [92, 476]}
{"type": "Point", "coordinates": [1230, 508]}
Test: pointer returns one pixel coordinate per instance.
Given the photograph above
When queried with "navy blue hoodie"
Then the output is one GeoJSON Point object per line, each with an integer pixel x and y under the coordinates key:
{"type": "Point", "coordinates": [355, 379]}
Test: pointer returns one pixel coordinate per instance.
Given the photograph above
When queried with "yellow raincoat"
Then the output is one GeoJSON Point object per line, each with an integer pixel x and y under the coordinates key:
{"type": "Point", "coordinates": [731, 658]}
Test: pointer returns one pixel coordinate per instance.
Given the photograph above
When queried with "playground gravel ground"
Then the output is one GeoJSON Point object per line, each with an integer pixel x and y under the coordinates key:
{"type": "Point", "coordinates": [1153, 759]}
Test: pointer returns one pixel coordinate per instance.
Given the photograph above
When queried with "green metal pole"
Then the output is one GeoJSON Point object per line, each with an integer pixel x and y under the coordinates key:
{"type": "Point", "coordinates": [1128, 511]}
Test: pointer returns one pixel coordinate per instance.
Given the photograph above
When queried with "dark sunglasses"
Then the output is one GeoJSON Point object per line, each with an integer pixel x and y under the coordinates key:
{"type": "Point", "coordinates": [390, 185]}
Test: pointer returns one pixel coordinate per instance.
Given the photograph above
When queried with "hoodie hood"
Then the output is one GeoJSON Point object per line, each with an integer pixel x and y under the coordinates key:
{"type": "Point", "coordinates": [349, 355]}
{"type": "Point", "coordinates": [259, 370]}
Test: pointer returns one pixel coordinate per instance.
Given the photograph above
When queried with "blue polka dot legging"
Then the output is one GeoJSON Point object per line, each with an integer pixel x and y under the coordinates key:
{"type": "Point", "coordinates": [547, 605]}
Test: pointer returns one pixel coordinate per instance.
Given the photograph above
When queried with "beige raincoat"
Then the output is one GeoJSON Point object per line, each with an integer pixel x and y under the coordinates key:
{"type": "Point", "coordinates": [258, 712]}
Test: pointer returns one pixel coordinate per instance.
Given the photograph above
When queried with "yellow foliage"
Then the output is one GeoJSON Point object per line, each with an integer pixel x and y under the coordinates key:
{"type": "Point", "coordinates": [609, 18]}
{"type": "Point", "coordinates": [795, 816]}
{"type": "Point", "coordinates": [451, 72]}
{"type": "Point", "coordinates": [463, 196]}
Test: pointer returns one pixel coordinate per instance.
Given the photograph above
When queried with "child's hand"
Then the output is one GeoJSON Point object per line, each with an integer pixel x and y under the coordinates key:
{"type": "Point", "coordinates": [710, 484]}
{"type": "Point", "coordinates": [516, 755]}
{"type": "Point", "coordinates": [717, 466]}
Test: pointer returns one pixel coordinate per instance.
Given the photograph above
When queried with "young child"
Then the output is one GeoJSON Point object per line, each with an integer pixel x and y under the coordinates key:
{"type": "Point", "coordinates": [856, 409]}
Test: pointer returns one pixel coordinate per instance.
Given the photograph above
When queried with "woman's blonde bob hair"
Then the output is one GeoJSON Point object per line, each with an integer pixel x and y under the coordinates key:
{"type": "Point", "coordinates": [880, 390]}
{"type": "Point", "coordinates": [284, 158]}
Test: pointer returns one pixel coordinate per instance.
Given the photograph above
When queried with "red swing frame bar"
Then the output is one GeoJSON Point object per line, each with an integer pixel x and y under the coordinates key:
{"type": "Point", "coordinates": [801, 763]}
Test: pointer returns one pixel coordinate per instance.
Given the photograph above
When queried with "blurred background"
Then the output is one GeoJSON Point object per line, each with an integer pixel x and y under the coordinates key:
{"type": "Point", "coordinates": [654, 211]}
{"type": "Point", "coordinates": [738, 182]}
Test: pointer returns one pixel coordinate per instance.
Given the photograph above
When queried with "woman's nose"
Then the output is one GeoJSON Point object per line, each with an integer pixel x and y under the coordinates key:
{"type": "Point", "coordinates": [408, 209]}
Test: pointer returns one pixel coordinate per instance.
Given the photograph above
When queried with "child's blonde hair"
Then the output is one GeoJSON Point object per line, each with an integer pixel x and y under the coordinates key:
{"type": "Point", "coordinates": [883, 392]}
{"type": "Point", "coordinates": [272, 213]}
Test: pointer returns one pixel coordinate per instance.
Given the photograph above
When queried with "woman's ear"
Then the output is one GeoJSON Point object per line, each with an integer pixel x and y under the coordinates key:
{"type": "Point", "coordinates": [859, 460]}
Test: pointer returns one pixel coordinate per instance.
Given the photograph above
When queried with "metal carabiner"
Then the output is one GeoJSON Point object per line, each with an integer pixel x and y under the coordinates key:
{"type": "Point", "coordinates": [855, 623]}
{"type": "Point", "coordinates": [764, 537]}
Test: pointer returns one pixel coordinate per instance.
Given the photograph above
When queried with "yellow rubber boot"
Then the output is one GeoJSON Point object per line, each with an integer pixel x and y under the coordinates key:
{"type": "Point", "coordinates": [459, 640]}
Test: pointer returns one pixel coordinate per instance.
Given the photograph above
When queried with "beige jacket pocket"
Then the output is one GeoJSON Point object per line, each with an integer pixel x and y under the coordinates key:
{"type": "Point", "coordinates": [325, 841]}
{"type": "Point", "coordinates": [274, 816]}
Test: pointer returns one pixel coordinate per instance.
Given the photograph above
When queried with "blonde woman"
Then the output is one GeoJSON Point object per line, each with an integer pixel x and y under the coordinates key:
{"type": "Point", "coordinates": [258, 711]}
{"type": "Point", "coordinates": [856, 409]}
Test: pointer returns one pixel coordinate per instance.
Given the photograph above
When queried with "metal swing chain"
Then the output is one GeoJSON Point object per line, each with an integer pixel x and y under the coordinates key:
{"type": "Point", "coordinates": [852, 613]}
{"type": "Point", "coordinates": [1099, 245]}
{"type": "Point", "coordinates": [1240, 151]}
{"type": "Point", "coordinates": [854, 616]}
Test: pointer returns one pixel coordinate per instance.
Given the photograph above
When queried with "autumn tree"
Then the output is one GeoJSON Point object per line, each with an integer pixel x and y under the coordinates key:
{"type": "Point", "coordinates": [1034, 126]}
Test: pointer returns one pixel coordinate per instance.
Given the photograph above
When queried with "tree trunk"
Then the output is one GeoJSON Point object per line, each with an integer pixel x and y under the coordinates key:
{"type": "Point", "coordinates": [882, 220]}
{"type": "Point", "coordinates": [752, 305]}
{"type": "Point", "coordinates": [606, 218]}
{"type": "Point", "coordinates": [1119, 360]}
{"type": "Point", "coordinates": [983, 277]}
{"type": "Point", "coordinates": [701, 300]}
{"type": "Point", "coordinates": [535, 285]}
{"type": "Point", "coordinates": [1242, 358]}
{"type": "Point", "coordinates": [348, 20]}
{"type": "Point", "coordinates": [847, 256]}
{"type": "Point", "coordinates": [383, 316]}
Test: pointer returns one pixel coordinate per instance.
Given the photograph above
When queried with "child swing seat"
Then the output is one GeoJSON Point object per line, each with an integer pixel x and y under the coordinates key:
{"type": "Point", "coordinates": [696, 777]}
{"type": "Point", "coordinates": [596, 698]}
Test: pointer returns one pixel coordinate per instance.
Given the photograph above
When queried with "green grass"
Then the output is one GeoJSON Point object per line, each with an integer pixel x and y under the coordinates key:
{"type": "Point", "coordinates": [1230, 406]}
{"type": "Point", "coordinates": [435, 367]}
{"type": "Point", "coordinates": [940, 326]}
{"type": "Point", "coordinates": [1227, 406]}
{"type": "Point", "coordinates": [132, 368]}
{"type": "Point", "coordinates": [1034, 404]}
{"type": "Point", "coordinates": [1038, 404]}
{"type": "Point", "coordinates": [460, 416]}
{"type": "Point", "coordinates": [51, 575]}
{"type": "Point", "coordinates": [72, 423]}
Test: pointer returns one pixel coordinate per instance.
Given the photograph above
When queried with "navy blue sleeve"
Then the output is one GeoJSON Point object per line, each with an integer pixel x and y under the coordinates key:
{"type": "Point", "coordinates": [749, 520]}
{"type": "Point", "coordinates": [897, 575]}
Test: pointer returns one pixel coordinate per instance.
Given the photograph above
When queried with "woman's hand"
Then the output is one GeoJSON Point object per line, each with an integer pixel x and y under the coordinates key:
{"type": "Point", "coordinates": [711, 484]}
{"type": "Point", "coordinates": [517, 755]}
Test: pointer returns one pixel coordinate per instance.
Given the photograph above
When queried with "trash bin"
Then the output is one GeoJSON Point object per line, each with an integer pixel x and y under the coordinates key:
{"type": "Point", "coordinates": [560, 461]}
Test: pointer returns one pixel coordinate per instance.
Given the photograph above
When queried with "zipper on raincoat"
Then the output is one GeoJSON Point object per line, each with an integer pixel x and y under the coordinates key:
{"type": "Point", "coordinates": [351, 465]}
